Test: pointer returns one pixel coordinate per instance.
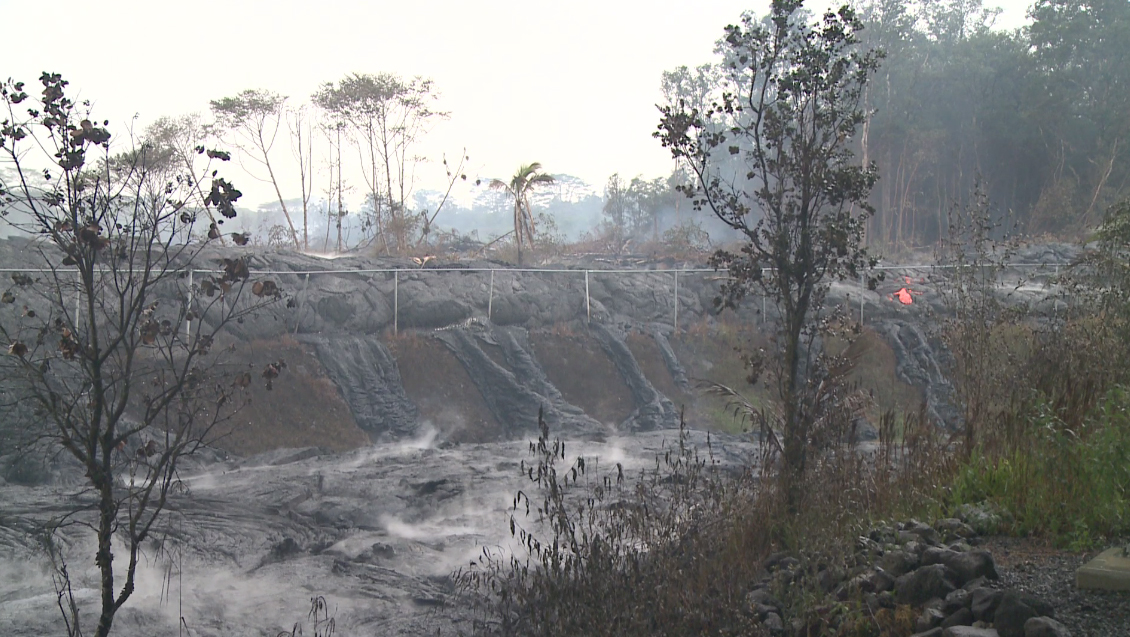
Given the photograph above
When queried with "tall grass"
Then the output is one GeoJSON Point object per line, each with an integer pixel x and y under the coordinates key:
{"type": "Point", "coordinates": [1047, 436]}
{"type": "Point", "coordinates": [1070, 484]}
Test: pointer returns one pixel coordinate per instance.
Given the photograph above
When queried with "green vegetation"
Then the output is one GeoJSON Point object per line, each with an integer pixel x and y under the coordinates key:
{"type": "Point", "coordinates": [772, 159]}
{"type": "Point", "coordinates": [527, 179]}
{"type": "Point", "coordinates": [1068, 485]}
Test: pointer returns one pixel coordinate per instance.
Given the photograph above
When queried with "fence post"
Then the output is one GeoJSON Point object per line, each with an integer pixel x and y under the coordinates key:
{"type": "Point", "coordinates": [396, 301]}
{"type": "Point", "coordinates": [78, 297]}
{"type": "Point", "coordinates": [588, 307]}
{"type": "Point", "coordinates": [675, 323]}
{"type": "Point", "coordinates": [490, 298]}
{"type": "Point", "coordinates": [299, 313]}
{"type": "Point", "coordinates": [1055, 301]}
{"type": "Point", "coordinates": [187, 319]}
{"type": "Point", "coordinates": [861, 285]}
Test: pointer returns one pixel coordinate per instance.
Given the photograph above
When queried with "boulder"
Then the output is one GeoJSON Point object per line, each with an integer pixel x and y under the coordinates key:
{"type": "Point", "coordinates": [951, 528]}
{"type": "Point", "coordinates": [882, 534]}
{"type": "Point", "coordinates": [1045, 627]}
{"type": "Point", "coordinates": [773, 623]}
{"type": "Point", "coordinates": [974, 584]}
{"type": "Point", "coordinates": [898, 563]}
{"type": "Point", "coordinates": [866, 545]}
{"type": "Point", "coordinates": [983, 602]}
{"type": "Point", "coordinates": [969, 631]}
{"type": "Point", "coordinates": [763, 602]}
{"type": "Point", "coordinates": [882, 580]}
{"type": "Point", "coordinates": [935, 555]}
{"type": "Point", "coordinates": [956, 600]}
{"type": "Point", "coordinates": [961, 617]}
{"type": "Point", "coordinates": [859, 584]}
{"type": "Point", "coordinates": [829, 578]}
{"type": "Point", "coordinates": [930, 618]}
{"type": "Point", "coordinates": [924, 531]}
{"type": "Point", "coordinates": [915, 547]}
{"type": "Point", "coordinates": [923, 584]}
{"type": "Point", "coordinates": [1015, 609]}
{"type": "Point", "coordinates": [968, 565]}
{"type": "Point", "coordinates": [973, 564]}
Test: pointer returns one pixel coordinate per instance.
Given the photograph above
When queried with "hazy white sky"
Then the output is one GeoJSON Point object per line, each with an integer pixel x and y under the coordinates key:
{"type": "Point", "coordinates": [570, 84]}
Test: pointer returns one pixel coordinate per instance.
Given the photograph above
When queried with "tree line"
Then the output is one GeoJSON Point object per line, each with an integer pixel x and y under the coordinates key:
{"type": "Point", "coordinates": [1036, 116]}
{"type": "Point", "coordinates": [376, 120]}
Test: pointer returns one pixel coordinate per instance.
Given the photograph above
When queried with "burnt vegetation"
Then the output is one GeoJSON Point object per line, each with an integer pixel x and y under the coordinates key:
{"type": "Point", "coordinates": [111, 351]}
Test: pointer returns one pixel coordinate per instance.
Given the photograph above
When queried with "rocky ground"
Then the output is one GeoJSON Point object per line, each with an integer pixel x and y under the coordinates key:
{"type": "Point", "coordinates": [955, 582]}
{"type": "Point", "coordinates": [1034, 567]}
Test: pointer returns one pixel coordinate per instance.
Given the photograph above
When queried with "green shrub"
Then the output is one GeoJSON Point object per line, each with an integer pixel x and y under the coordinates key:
{"type": "Point", "coordinates": [1070, 485]}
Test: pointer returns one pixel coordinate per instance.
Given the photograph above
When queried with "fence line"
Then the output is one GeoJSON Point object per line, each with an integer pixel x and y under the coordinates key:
{"type": "Point", "coordinates": [396, 272]}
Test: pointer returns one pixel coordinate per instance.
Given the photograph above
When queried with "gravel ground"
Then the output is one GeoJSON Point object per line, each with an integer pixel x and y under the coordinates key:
{"type": "Point", "coordinates": [1036, 568]}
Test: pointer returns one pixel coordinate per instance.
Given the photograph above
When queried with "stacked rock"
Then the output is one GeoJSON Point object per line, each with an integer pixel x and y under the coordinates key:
{"type": "Point", "coordinates": [936, 570]}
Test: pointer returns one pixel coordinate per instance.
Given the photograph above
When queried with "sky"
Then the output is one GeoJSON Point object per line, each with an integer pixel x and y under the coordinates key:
{"type": "Point", "coordinates": [572, 85]}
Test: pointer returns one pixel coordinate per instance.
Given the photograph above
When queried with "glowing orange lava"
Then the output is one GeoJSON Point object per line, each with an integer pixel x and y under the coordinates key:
{"type": "Point", "coordinates": [906, 295]}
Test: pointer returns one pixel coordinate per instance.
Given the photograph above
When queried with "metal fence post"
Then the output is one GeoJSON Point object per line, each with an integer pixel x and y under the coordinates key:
{"type": "Point", "coordinates": [490, 298]}
{"type": "Point", "coordinates": [299, 313]}
{"type": "Point", "coordinates": [78, 297]}
{"type": "Point", "coordinates": [1055, 301]}
{"type": "Point", "coordinates": [861, 278]}
{"type": "Point", "coordinates": [675, 322]}
{"type": "Point", "coordinates": [187, 318]}
{"type": "Point", "coordinates": [396, 301]}
{"type": "Point", "coordinates": [588, 307]}
{"type": "Point", "coordinates": [763, 295]}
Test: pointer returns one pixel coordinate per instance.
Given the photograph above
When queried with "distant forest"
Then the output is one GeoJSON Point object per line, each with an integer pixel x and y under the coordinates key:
{"type": "Point", "coordinates": [1040, 116]}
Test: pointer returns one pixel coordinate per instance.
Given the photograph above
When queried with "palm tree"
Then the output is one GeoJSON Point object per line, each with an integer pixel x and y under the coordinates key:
{"type": "Point", "coordinates": [526, 179]}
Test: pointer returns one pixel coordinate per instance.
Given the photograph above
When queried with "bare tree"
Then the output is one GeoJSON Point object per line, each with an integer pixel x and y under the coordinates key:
{"type": "Point", "coordinates": [387, 115]}
{"type": "Point", "coordinates": [331, 129]}
{"type": "Point", "coordinates": [255, 116]}
{"type": "Point", "coordinates": [300, 127]}
{"type": "Point", "coordinates": [177, 146]}
{"type": "Point", "coordinates": [97, 364]}
{"type": "Point", "coordinates": [454, 175]}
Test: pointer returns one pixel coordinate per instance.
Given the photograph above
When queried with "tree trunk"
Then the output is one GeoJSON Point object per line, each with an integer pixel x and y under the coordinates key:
{"type": "Point", "coordinates": [278, 193]}
{"type": "Point", "coordinates": [105, 556]}
{"type": "Point", "coordinates": [518, 227]}
{"type": "Point", "coordinates": [796, 434]}
{"type": "Point", "coordinates": [339, 197]}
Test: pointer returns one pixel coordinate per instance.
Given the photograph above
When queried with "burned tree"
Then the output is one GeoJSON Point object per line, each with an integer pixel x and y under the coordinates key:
{"type": "Point", "coordinates": [101, 363]}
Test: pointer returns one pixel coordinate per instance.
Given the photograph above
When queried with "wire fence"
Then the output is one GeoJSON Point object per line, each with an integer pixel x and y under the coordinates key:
{"type": "Point", "coordinates": [677, 277]}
